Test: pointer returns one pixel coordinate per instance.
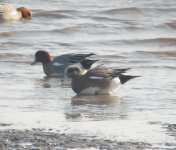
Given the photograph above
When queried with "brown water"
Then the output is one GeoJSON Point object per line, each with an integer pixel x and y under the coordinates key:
{"type": "Point", "coordinates": [124, 33]}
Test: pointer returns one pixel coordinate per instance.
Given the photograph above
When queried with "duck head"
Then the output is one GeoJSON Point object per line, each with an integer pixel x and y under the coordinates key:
{"type": "Point", "coordinates": [72, 72]}
{"type": "Point", "coordinates": [25, 13]}
{"type": "Point", "coordinates": [42, 57]}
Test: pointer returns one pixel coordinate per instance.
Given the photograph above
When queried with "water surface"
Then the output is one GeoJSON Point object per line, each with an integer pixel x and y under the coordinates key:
{"type": "Point", "coordinates": [125, 33]}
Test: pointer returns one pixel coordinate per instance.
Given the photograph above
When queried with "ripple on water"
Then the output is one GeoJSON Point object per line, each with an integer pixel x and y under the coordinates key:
{"type": "Point", "coordinates": [59, 14]}
{"type": "Point", "coordinates": [123, 10]}
{"type": "Point", "coordinates": [159, 53]}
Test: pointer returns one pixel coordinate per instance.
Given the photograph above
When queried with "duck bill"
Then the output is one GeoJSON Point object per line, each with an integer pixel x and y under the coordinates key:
{"type": "Point", "coordinates": [65, 77]}
{"type": "Point", "coordinates": [64, 80]}
{"type": "Point", "coordinates": [34, 62]}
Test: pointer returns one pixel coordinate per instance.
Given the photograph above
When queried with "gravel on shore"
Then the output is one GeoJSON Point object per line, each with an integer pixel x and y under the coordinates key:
{"type": "Point", "coordinates": [38, 139]}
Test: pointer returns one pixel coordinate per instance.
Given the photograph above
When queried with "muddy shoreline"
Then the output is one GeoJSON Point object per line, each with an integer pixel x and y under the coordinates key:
{"type": "Point", "coordinates": [50, 139]}
{"type": "Point", "coordinates": [38, 139]}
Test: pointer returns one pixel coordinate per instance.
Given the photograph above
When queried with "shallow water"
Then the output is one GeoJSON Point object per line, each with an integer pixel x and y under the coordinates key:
{"type": "Point", "coordinates": [126, 33]}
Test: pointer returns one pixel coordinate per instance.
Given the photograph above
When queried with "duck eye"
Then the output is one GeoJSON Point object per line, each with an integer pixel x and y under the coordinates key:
{"type": "Point", "coordinates": [70, 71]}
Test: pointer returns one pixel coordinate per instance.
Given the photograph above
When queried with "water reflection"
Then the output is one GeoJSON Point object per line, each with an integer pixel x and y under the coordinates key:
{"type": "Point", "coordinates": [95, 100]}
{"type": "Point", "coordinates": [93, 107]}
{"type": "Point", "coordinates": [47, 82]}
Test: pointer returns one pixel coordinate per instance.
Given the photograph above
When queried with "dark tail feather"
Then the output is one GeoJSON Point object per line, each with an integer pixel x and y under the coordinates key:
{"type": "Point", "coordinates": [90, 54]}
{"type": "Point", "coordinates": [121, 70]}
{"type": "Point", "coordinates": [79, 57]}
{"type": "Point", "coordinates": [83, 56]}
{"type": "Point", "coordinates": [87, 63]}
{"type": "Point", "coordinates": [125, 78]}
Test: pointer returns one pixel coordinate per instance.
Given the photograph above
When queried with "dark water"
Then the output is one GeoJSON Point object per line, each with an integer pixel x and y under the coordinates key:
{"type": "Point", "coordinates": [124, 33]}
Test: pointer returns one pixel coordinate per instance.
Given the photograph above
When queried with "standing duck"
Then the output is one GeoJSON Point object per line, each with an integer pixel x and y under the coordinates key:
{"type": "Point", "coordinates": [57, 66]}
{"type": "Point", "coordinates": [97, 81]}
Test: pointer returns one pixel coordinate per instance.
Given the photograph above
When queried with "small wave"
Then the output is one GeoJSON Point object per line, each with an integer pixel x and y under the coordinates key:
{"type": "Point", "coordinates": [11, 33]}
{"type": "Point", "coordinates": [110, 56]}
{"type": "Point", "coordinates": [15, 44]}
{"type": "Point", "coordinates": [62, 44]}
{"type": "Point", "coordinates": [160, 53]}
{"type": "Point", "coordinates": [56, 11]}
{"type": "Point", "coordinates": [160, 41]}
{"type": "Point", "coordinates": [15, 58]}
{"type": "Point", "coordinates": [166, 41]}
{"type": "Point", "coordinates": [97, 18]}
{"type": "Point", "coordinates": [53, 14]}
{"type": "Point", "coordinates": [65, 30]}
{"type": "Point", "coordinates": [6, 34]}
{"type": "Point", "coordinates": [5, 124]}
{"type": "Point", "coordinates": [158, 10]}
{"type": "Point", "coordinates": [109, 59]}
{"type": "Point", "coordinates": [3, 55]}
{"type": "Point", "coordinates": [172, 24]}
{"type": "Point", "coordinates": [134, 28]}
{"type": "Point", "coordinates": [15, 62]}
{"type": "Point", "coordinates": [14, 33]}
{"type": "Point", "coordinates": [123, 10]}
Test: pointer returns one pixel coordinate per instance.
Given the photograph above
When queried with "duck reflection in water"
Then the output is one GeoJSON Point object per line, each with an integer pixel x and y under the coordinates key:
{"type": "Point", "coordinates": [95, 100]}
{"type": "Point", "coordinates": [93, 107]}
{"type": "Point", "coordinates": [47, 82]}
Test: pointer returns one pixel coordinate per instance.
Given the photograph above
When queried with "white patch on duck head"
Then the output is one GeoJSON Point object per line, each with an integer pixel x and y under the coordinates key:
{"type": "Point", "coordinates": [83, 70]}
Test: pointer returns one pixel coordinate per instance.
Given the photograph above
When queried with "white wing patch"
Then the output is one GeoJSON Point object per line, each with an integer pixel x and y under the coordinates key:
{"type": "Point", "coordinates": [95, 77]}
{"type": "Point", "coordinates": [57, 64]}
{"type": "Point", "coordinates": [115, 84]}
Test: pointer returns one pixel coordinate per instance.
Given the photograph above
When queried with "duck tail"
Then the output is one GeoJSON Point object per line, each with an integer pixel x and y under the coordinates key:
{"type": "Point", "coordinates": [125, 78]}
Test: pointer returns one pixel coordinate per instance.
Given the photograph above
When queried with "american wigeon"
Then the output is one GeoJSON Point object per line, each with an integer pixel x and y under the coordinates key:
{"type": "Point", "coordinates": [9, 12]}
{"type": "Point", "coordinates": [57, 66]}
{"type": "Point", "coordinates": [99, 80]}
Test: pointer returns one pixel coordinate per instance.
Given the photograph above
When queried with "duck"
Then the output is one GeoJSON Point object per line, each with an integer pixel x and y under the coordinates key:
{"type": "Point", "coordinates": [9, 12]}
{"type": "Point", "coordinates": [97, 81]}
{"type": "Point", "coordinates": [56, 67]}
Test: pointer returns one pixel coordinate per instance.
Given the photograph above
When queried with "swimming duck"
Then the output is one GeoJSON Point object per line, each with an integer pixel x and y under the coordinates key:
{"type": "Point", "coordinates": [57, 66]}
{"type": "Point", "coordinates": [99, 80]}
{"type": "Point", "coordinates": [9, 12]}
